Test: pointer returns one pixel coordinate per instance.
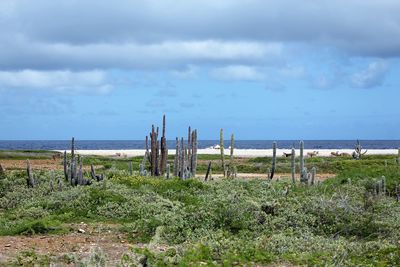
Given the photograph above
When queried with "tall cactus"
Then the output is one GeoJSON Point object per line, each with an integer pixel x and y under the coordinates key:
{"type": "Point", "coordinates": [65, 163]}
{"type": "Point", "coordinates": [30, 180]}
{"type": "Point", "coordinates": [398, 156]}
{"type": "Point", "coordinates": [176, 158]}
{"type": "Point", "coordinates": [164, 150]}
{"type": "Point", "coordinates": [313, 175]}
{"type": "Point", "coordinates": [208, 173]}
{"type": "Point", "coordinates": [293, 164]}
{"type": "Point", "coordinates": [2, 172]}
{"type": "Point", "coordinates": [221, 147]}
{"type": "Point", "coordinates": [272, 171]}
{"type": "Point", "coordinates": [303, 172]}
{"type": "Point", "coordinates": [194, 153]}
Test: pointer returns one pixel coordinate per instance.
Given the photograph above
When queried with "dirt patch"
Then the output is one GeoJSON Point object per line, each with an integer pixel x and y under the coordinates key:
{"type": "Point", "coordinates": [36, 164]}
{"type": "Point", "coordinates": [79, 244]}
{"type": "Point", "coordinates": [283, 176]}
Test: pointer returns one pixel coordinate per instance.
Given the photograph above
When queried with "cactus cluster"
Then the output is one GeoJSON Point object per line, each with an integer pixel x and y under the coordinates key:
{"type": "Point", "coordinates": [306, 176]}
{"type": "Point", "coordinates": [73, 169]}
{"type": "Point", "coordinates": [158, 154]}
{"type": "Point", "coordinates": [229, 170]}
{"type": "Point", "coordinates": [185, 162]}
{"type": "Point", "coordinates": [398, 156]}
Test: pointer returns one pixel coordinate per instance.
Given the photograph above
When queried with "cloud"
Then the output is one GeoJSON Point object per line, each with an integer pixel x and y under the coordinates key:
{"type": "Point", "coordinates": [64, 81]}
{"type": "Point", "coordinates": [370, 77]}
{"type": "Point", "coordinates": [169, 54]}
{"type": "Point", "coordinates": [237, 73]}
{"type": "Point", "coordinates": [372, 30]}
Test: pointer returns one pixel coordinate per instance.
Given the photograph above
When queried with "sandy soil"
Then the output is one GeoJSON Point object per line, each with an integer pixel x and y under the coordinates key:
{"type": "Point", "coordinates": [78, 244]}
{"type": "Point", "coordinates": [36, 164]}
{"type": "Point", "coordinates": [237, 152]}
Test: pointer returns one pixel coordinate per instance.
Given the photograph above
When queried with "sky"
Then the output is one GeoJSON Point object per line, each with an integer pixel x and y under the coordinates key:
{"type": "Point", "coordinates": [285, 69]}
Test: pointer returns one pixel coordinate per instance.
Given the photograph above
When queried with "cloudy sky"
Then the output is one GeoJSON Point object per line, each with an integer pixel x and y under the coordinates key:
{"type": "Point", "coordinates": [285, 69]}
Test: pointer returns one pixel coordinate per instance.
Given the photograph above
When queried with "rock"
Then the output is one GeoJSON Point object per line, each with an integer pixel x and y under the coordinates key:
{"type": "Point", "coordinates": [81, 231]}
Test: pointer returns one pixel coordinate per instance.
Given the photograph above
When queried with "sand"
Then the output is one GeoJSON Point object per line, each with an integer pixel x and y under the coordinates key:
{"type": "Point", "coordinates": [238, 152]}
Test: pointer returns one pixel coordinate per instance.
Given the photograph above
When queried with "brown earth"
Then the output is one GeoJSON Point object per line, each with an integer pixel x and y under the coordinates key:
{"type": "Point", "coordinates": [36, 164]}
{"type": "Point", "coordinates": [78, 244]}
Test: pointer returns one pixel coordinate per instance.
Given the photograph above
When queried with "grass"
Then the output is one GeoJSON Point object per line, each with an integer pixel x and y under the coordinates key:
{"type": "Point", "coordinates": [223, 222]}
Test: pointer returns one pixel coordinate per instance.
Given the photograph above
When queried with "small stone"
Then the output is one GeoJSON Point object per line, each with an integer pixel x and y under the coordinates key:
{"type": "Point", "coordinates": [8, 245]}
{"type": "Point", "coordinates": [81, 231]}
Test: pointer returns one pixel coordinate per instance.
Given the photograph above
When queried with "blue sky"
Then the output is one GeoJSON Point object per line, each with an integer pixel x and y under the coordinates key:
{"type": "Point", "coordinates": [261, 69]}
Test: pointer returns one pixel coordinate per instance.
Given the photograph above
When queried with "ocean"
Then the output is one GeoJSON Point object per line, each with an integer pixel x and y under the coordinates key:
{"type": "Point", "coordinates": [240, 144]}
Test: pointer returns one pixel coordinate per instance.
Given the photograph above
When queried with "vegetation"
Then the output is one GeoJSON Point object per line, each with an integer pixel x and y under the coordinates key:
{"type": "Point", "coordinates": [225, 222]}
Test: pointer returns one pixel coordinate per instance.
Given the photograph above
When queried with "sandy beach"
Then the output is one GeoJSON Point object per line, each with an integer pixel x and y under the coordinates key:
{"type": "Point", "coordinates": [238, 152]}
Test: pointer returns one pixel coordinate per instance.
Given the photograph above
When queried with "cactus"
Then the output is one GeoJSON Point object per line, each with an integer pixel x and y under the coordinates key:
{"type": "Point", "coordinates": [221, 147]}
{"type": "Point", "coordinates": [30, 180]}
{"type": "Point", "coordinates": [398, 156]}
{"type": "Point", "coordinates": [208, 173]}
{"type": "Point", "coordinates": [383, 184]}
{"type": "Point", "coordinates": [293, 165]}
{"type": "Point", "coordinates": [164, 150]}
{"type": "Point", "coordinates": [397, 191]}
{"type": "Point", "coordinates": [2, 172]}
{"type": "Point", "coordinates": [130, 168]}
{"type": "Point", "coordinates": [231, 169]}
{"type": "Point", "coordinates": [60, 185]}
{"type": "Point", "coordinates": [303, 173]}
{"type": "Point", "coordinates": [176, 158]}
{"type": "Point", "coordinates": [65, 163]}
{"type": "Point", "coordinates": [167, 173]}
{"type": "Point", "coordinates": [304, 176]}
{"type": "Point", "coordinates": [313, 175]}
{"type": "Point", "coordinates": [193, 159]}
{"type": "Point", "coordinates": [358, 151]}
{"type": "Point", "coordinates": [272, 172]}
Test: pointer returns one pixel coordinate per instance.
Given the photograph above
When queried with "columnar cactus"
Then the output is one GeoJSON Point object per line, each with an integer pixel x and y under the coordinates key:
{"type": "Point", "coordinates": [185, 162]}
{"type": "Point", "coordinates": [272, 171]}
{"type": "Point", "coordinates": [2, 172]}
{"type": "Point", "coordinates": [30, 180]}
{"type": "Point", "coordinates": [176, 159]}
{"type": "Point", "coordinates": [303, 174]}
{"type": "Point", "coordinates": [313, 175]}
{"type": "Point", "coordinates": [232, 168]}
{"type": "Point", "coordinates": [194, 153]}
{"type": "Point", "coordinates": [208, 173]}
{"type": "Point", "coordinates": [130, 168]}
{"type": "Point", "coordinates": [164, 150]}
{"type": "Point", "coordinates": [383, 184]}
{"type": "Point", "coordinates": [167, 173]}
{"type": "Point", "coordinates": [221, 147]}
{"type": "Point", "coordinates": [293, 165]}
{"type": "Point", "coordinates": [398, 156]}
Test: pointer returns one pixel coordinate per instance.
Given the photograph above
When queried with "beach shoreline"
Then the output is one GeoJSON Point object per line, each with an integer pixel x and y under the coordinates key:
{"type": "Point", "coordinates": [244, 153]}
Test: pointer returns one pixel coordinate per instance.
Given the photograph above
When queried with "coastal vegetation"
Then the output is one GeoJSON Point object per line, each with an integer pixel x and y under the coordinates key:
{"type": "Point", "coordinates": [350, 219]}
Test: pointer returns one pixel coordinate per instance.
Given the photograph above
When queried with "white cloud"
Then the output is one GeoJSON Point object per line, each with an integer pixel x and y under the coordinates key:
{"type": "Point", "coordinates": [237, 73]}
{"type": "Point", "coordinates": [169, 54]}
{"type": "Point", "coordinates": [65, 81]}
{"type": "Point", "coordinates": [372, 76]}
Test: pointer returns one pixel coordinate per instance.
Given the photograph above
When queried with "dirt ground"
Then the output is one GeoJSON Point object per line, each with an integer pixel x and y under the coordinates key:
{"type": "Point", "coordinates": [82, 240]}
{"type": "Point", "coordinates": [36, 164]}
{"type": "Point", "coordinates": [49, 164]}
